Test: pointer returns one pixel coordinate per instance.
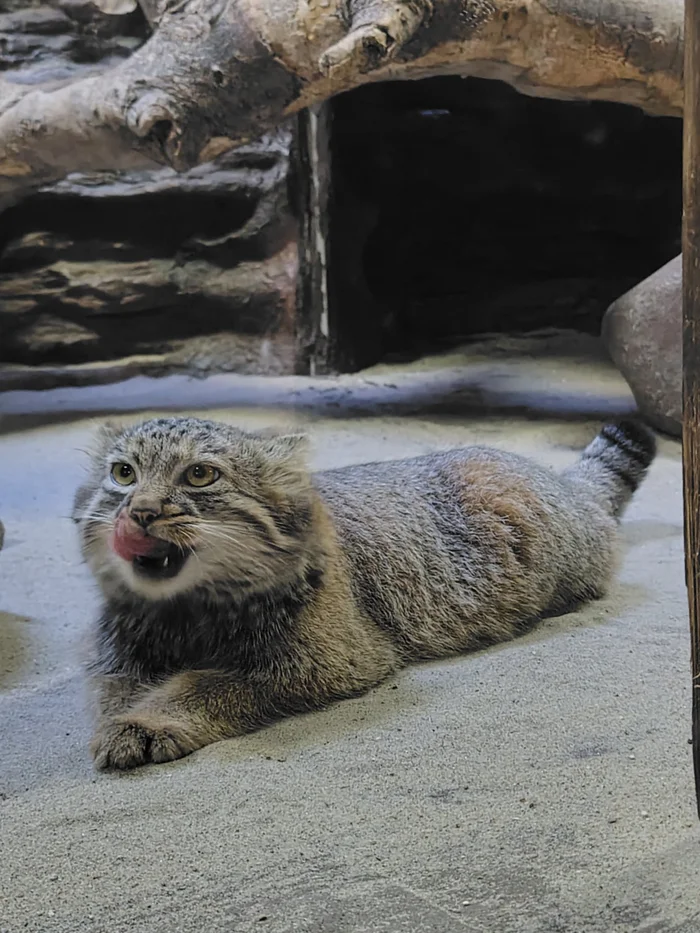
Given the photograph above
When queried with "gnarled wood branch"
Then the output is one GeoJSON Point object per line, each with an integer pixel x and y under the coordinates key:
{"type": "Point", "coordinates": [216, 73]}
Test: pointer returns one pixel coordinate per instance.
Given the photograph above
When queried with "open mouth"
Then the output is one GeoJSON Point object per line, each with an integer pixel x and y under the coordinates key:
{"type": "Point", "coordinates": [164, 562]}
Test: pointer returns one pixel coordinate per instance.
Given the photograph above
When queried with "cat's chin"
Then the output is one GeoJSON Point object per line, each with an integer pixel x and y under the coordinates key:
{"type": "Point", "coordinates": [158, 577]}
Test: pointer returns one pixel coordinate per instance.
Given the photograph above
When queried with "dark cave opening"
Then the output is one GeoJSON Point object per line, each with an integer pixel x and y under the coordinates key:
{"type": "Point", "coordinates": [461, 207]}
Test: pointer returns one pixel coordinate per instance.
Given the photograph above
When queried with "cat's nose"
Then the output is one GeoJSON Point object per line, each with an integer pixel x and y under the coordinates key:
{"type": "Point", "coordinates": [144, 513]}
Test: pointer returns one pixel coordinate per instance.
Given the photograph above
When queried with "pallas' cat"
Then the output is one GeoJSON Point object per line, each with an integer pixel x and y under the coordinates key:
{"type": "Point", "coordinates": [239, 587]}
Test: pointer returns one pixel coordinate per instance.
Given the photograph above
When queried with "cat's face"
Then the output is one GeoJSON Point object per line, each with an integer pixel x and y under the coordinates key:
{"type": "Point", "coordinates": [176, 504]}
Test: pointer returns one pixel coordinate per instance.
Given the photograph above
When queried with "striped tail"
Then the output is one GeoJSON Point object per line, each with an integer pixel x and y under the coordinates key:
{"type": "Point", "coordinates": [616, 461]}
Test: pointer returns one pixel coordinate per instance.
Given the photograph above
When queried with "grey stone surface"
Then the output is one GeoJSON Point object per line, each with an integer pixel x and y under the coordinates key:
{"type": "Point", "coordinates": [643, 333]}
{"type": "Point", "coordinates": [196, 272]}
{"type": "Point", "coordinates": [110, 271]}
{"type": "Point", "coordinates": [542, 786]}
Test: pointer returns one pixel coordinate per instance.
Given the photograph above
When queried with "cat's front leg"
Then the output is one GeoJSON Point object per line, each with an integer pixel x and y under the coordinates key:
{"type": "Point", "coordinates": [180, 715]}
{"type": "Point", "coordinates": [114, 693]}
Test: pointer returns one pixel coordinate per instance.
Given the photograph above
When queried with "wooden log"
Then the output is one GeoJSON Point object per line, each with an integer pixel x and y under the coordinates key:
{"type": "Point", "coordinates": [213, 75]}
{"type": "Point", "coordinates": [691, 357]}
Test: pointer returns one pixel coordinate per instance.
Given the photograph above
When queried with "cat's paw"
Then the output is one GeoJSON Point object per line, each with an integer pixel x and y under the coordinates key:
{"type": "Point", "coordinates": [128, 743]}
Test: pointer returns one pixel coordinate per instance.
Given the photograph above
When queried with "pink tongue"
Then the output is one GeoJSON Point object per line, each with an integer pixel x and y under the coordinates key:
{"type": "Point", "coordinates": [129, 540]}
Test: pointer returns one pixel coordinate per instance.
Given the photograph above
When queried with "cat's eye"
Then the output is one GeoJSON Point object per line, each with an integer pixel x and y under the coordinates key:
{"type": "Point", "coordinates": [123, 474]}
{"type": "Point", "coordinates": [199, 474]}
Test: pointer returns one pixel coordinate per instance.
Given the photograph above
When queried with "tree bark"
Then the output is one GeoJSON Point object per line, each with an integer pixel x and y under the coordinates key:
{"type": "Point", "coordinates": [216, 73]}
{"type": "Point", "coordinates": [691, 364]}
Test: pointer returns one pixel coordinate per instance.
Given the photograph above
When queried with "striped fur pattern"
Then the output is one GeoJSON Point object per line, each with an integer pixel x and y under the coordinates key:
{"type": "Point", "coordinates": [298, 589]}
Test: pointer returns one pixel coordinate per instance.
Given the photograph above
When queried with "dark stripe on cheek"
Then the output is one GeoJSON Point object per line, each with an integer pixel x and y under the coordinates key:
{"type": "Point", "coordinates": [292, 521]}
{"type": "Point", "coordinates": [253, 522]}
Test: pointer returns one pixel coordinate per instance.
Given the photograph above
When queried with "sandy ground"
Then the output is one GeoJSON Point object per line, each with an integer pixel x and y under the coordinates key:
{"type": "Point", "coordinates": [543, 786]}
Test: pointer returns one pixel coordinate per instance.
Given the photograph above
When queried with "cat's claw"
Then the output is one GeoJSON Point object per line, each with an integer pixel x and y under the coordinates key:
{"type": "Point", "coordinates": [127, 744]}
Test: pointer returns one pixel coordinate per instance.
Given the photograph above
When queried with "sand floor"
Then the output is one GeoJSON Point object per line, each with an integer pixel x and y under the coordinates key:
{"type": "Point", "coordinates": [543, 786]}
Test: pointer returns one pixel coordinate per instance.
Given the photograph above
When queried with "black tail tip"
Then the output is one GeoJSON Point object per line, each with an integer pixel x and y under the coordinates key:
{"type": "Point", "coordinates": [634, 437]}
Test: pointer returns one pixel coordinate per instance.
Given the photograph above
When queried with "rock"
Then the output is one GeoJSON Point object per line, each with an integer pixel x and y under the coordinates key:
{"type": "Point", "coordinates": [43, 44]}
{"type": "Point", "coordinates": [196, 271]}
{"type": "Point", "coordinates": [106, 275]}
{"type": "Point", "coordinates": [642, 331]}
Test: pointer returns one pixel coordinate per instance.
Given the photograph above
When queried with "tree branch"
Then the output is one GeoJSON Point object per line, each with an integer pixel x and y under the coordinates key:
{"type": "Point", "coordinates": [216, 73]}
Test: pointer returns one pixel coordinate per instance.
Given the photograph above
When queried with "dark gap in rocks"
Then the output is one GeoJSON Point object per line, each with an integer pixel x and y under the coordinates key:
{"type": "Point", "coordinates": [162, 321]}
{"type": "Point", "coordinates": [145, 226]}
{"type": "Point", "coordinates": [461, 207]}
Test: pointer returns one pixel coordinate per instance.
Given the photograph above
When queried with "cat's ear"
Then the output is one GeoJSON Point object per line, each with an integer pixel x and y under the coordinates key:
{"type": "Point", "coordinates": [286, 460]}
{"type": "Point", "coordinates": [102, 440]}
{"type": "Point", "coordinates": [81, 500]}
{"type": "Point", "coordinates": [103, 437]}
{"type": "Point", "coordinates": [106, 434]}
{"type": "Point", "coordinates": [285, 446]}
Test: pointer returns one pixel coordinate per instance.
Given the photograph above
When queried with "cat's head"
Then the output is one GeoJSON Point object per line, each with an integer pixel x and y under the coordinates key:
{"type": "Point", "coordinates": [176, 504]}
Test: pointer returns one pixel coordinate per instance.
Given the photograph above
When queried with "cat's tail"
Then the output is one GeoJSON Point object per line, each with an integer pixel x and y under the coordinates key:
{"type": "Point", "coordinates": [615, 462]}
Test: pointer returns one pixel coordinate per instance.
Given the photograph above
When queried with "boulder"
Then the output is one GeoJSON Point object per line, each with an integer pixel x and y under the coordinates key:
{"type": "Point", "coordinates": [642, 331]}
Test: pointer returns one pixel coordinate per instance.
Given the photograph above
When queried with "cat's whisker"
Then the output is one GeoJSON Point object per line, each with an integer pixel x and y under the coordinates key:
{"type": "Point", "coordinates": [97, 516]}
{"type": "Point", "coordinates": [238, 544]}
{"type": "Point", "coordinates": [217, 532]}
{"type": "Point", "coordinates": [205, 577]}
